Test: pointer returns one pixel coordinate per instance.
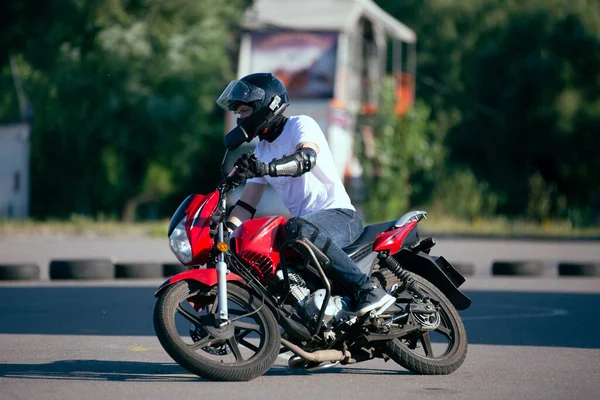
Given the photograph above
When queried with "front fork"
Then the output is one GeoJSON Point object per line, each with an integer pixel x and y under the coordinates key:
{"type": "Point", "coordinates": [222, 272]}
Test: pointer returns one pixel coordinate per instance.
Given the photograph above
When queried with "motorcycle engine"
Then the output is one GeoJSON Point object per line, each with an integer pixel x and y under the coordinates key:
{"type": "Point", "coordinates": [309, 304]}
{"type": "Point", "coordinates": [298, 287]}
{"type": "Point", "coordinates": [335, 310]}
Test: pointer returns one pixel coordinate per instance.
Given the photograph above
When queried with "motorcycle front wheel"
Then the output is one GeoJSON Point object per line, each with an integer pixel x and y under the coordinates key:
{"type": "Point", "coordinates": [184, 322]}
{"type": "Point", "coordinates": [437, 352]}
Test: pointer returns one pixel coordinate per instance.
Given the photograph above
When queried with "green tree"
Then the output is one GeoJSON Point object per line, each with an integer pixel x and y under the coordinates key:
{"type": "Point", "coordinates": [540, 68]}
{"type": "Point", "coordinates": [394, 149]}
{"type": "Point", "coordinates": [515, 87]}
{"type": "Point", "coordinates": [123, 94]}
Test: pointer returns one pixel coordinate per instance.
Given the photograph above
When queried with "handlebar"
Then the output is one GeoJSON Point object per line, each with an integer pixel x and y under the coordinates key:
{"type": "Point", "coordinates": [228, 184]}
{"type": "Point", "coordinates": [232, 173]}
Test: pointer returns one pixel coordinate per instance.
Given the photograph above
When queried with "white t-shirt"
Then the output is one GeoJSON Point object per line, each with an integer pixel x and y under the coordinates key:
{"type": "Point", "coordinates": [319, 189]}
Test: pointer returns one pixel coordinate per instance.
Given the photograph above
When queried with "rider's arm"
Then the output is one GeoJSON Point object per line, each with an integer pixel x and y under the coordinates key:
{"type": "Point", "coordinates": [243, 210]}
{"type": "Point", "coordinates": [309, 145]}
{"type": "Point", "coordinates": [295, 164]}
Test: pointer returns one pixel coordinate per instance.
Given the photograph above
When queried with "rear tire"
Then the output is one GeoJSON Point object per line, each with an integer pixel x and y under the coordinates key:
{"type": "Point", "coordinates": [199, 358]}
{"type": "Point", "coordinates": [424, 364]}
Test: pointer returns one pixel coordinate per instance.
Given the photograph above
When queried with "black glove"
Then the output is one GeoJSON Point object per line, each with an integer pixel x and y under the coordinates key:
{"type": "Point", "coordinates": [248, 166]}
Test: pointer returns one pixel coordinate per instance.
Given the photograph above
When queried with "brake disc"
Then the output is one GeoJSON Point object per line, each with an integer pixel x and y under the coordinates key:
{"type": "Point", "coordinates": [217, 348]}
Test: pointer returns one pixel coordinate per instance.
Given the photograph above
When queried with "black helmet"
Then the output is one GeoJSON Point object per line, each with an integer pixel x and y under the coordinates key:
{"type": "Point", "coordinates": [268, 98]}
{"type": "Point", "coordinates": [256, 90]}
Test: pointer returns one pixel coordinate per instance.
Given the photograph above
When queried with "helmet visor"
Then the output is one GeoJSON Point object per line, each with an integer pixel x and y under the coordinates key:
{"type": "Point", "coordinates": [239, 92]}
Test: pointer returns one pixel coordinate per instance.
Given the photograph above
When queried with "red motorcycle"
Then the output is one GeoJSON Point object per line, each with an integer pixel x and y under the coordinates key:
{"type": "Point", "coordinates": [262, 294]}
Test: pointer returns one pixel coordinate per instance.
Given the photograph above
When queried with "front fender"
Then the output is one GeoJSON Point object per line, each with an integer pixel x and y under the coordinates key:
{"type": "Point", "coordinates": [437, 271]}
{"type": "Point", "coordinates": [206, 276]}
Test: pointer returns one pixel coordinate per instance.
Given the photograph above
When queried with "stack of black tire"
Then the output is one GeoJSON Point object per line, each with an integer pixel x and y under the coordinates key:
{"type": "Point", "coordinates": [106, 269]}
{"type": "Point", "coordinates": [89, 269]}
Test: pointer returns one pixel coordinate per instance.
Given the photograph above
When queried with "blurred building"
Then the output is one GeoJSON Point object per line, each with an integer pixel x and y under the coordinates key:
{"type": "Point", "coordinates": [14, 171]}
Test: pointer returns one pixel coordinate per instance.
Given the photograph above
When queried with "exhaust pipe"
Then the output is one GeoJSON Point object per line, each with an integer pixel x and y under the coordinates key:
{"type": "Point", "coordinates": [319, 355]}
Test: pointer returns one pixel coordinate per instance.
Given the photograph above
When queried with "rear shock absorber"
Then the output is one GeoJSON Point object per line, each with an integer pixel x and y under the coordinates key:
{"type": "Point", "coordinates": [410, 284]}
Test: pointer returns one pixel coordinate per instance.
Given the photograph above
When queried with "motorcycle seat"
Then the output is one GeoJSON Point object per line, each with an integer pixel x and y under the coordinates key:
{"type": "Point", "coordinates": [368, 235]}
{"type": "Point", "coordinates": [370, 232]}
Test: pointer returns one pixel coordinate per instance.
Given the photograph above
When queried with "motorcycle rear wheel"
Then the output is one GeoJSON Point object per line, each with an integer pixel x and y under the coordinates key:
{"type": "Point", "coordinates": [417, 352]}
{"type": "Point", "coordinates": [243, 350]}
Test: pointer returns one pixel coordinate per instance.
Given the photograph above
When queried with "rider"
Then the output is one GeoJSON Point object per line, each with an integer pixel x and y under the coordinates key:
{"type": "Point", "coordinates": [293, 157]}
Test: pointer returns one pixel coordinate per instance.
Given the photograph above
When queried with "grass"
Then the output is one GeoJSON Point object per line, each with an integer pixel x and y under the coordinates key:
{"type": "Point", "coordinates": [504, 227]}
{"type": "Point", "coordinates": [499, 227]}
{"type": "Point", "coordinates": [83, 226]}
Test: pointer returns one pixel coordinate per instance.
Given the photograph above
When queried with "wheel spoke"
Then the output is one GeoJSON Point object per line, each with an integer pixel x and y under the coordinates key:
{"type": "Point", "coordinates": [426, 342]}
{"type": "Point", "coordinates": [244, 334]}
{"type": "Point", "coordinates": [235, 349]}
{"type": "Point", "coordinates": [247, 344]}
{"type": "Point", "coordinates": [188, 315]}
{"type": "Point", "coordinates": [246, 325]}
{"type": "Point", "coordinates": [202, 343]}
{"type": "Point", "coordinates": [444, 331]}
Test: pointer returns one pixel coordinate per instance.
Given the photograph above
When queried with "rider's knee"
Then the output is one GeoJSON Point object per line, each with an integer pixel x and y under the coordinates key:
{"type": "Point", "coordinates": [298, 228]}
{"type": "Point", "coordinates": [293, 228]}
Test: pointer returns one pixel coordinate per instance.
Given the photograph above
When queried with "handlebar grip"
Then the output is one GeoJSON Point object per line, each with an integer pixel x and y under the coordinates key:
{"type": "Point", "coordinates": [233, 171]}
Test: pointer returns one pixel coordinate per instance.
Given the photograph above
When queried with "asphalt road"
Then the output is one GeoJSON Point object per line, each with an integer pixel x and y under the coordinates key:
{"type": "Point", "coordinates": [530, 338]}
{"type": "Point", "coordinates": [96, 341]}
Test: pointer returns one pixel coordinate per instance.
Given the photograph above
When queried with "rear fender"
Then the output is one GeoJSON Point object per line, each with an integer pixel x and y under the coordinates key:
{"type": "Point", "coordinates": [205, 276]}
{"type": "Point", "coordinates": [393, 240]}
{"type": "Point", "coordinates": [437, 271]}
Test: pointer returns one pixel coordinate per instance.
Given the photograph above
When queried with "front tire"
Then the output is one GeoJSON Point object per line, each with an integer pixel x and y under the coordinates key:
{"type": "Point", "coordinates": [243, 350]}
{"type": "Point", "coordinates": [417, 352]}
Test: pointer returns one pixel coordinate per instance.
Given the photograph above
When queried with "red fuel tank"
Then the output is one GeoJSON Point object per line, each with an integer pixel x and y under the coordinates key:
{"type": "Point", "coordinates": [257, 243]}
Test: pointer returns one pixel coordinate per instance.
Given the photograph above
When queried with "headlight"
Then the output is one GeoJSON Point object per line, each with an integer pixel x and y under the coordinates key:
{"type": "Point", "coordinates": [180, 244]}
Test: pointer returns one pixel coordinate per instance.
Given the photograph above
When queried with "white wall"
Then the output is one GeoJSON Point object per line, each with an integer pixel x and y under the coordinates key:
{"type": "Point", "coordinates": [14, 171]}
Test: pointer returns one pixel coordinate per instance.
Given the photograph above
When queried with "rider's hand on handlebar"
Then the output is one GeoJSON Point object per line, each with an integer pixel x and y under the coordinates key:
{"type": "Point", "coordinates": [236, 177]}
{"type": "Point", "coordinates": [249, 166]}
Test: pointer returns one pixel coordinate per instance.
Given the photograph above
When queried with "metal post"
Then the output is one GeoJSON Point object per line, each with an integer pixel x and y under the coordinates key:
{"type": "Point", "coordinates": [412, 65]}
